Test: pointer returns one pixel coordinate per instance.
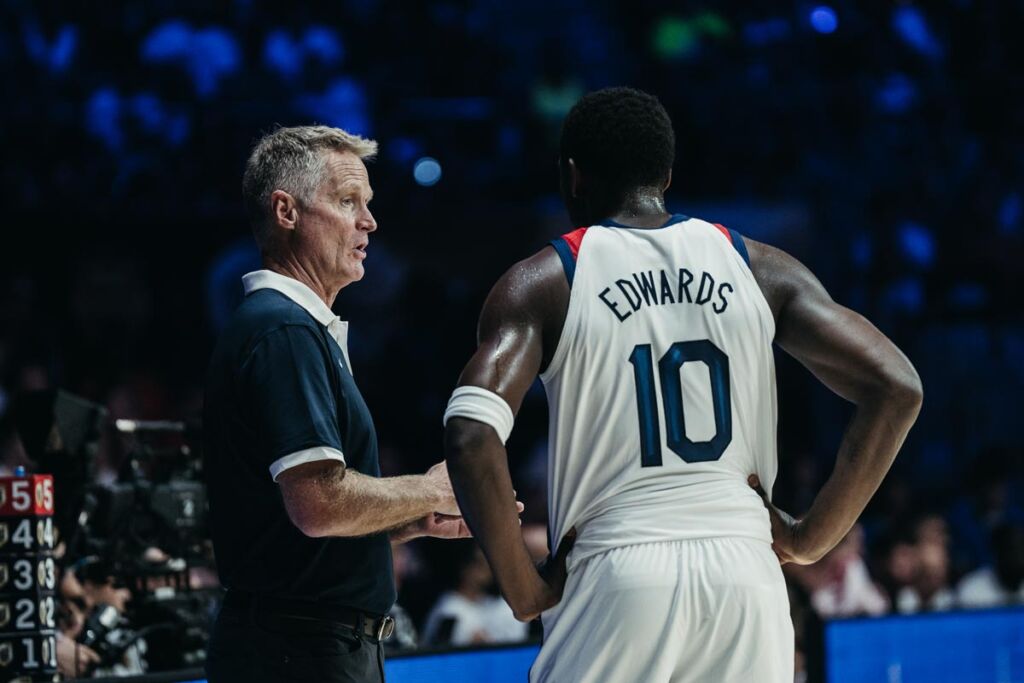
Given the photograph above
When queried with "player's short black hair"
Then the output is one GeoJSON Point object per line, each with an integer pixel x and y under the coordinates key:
{"type": "Point", "coordinates": [620, 137]}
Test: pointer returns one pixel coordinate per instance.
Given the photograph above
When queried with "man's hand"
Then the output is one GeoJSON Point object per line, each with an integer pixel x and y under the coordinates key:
{"type": "Point", "coordinates": [74, 659]}
{"type": "Point", "coordinates": [785, 529]}
{"type": "Point", "coordinates": [444, 526]}
{"type": "Point", "coordinates": [436, 525]}
{"type": "Point", "coordinates": [552, 575]}
{"type": "Point", "coordinates": [438, 478]}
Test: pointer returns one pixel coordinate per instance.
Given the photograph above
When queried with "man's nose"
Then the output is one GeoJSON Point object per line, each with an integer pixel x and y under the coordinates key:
{"type": "Point", "coordinates": [367, 221]}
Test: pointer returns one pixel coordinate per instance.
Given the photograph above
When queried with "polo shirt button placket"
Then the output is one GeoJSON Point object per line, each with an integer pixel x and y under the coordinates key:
{"type": "Point", "coordinates": [338, 329]}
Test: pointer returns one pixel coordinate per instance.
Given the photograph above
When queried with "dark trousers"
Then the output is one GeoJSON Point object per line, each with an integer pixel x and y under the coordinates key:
{"type": "Point", "coordinates": [258, 648]}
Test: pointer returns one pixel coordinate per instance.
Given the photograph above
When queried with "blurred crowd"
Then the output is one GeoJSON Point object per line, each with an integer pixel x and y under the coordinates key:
{"type": "Point", "coordinates": [877, 141]}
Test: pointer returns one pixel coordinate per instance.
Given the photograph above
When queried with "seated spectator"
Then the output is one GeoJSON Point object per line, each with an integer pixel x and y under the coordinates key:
{"type": "Point", "coordinates": [1001, 583]}
{"type": "Point", "coordinates": [472, 613]}
{"type": "Point", "coordinates": [840, 584]}
{"type": "Point", "coordinates": [898, 562]}
{"type": "Point", "coordinates": [73, 658]}
{"type": "Point", "coordinates": [929, 586]}
{"type": "Point", "coordinates": [404, 636]}
{"type": "Point", "coordinates": [102, 590]}
{"type": "Point", "coordinates": [990, 500]}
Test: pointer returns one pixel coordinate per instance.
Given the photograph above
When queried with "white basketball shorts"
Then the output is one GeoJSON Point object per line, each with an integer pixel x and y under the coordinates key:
{"type": "Point", "coordinates": [699, 611]}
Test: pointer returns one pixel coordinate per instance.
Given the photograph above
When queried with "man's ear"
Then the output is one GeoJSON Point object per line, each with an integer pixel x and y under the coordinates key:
{"type": "Point", "coordinates": [285, 209]}
{"type": "Point", "coordinates": [575, 179]}
{"type": "Point", "coordinates": [668, 181]}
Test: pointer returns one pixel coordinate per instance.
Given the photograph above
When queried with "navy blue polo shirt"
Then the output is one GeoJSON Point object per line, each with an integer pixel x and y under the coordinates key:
{"type": "Point", "coordinates": [279, 393]}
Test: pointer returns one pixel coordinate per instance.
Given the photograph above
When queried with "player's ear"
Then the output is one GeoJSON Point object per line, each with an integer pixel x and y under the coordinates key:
{"type": "Point", "coordinates": [668, 181]}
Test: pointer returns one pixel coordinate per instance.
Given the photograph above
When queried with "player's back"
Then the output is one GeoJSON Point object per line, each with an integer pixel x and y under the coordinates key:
{"type": "Point", "coordinates": [661, 390]}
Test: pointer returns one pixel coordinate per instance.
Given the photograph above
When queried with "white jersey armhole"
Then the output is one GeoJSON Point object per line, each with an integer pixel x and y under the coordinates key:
{"type": "Point", "coordinates": [767, 317]}
{"type": "Point", "coordinates": [570, 326]}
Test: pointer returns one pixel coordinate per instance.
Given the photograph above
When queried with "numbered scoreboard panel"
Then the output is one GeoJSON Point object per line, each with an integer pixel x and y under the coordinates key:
{"type": "Point", "coordinates": [28, 495]}
{"type": "Point", "coordinates": [26, 534]}
{"type": "Point", "coordinates": [27, 574]}
{"type": "Point", "coordinates": [28, 579]}
{"type": "Point", "coordinates": [27, 613]}
{"type": "Point", "coordinates": [30, 654]}
{"type": "Point", "coordinates": [27, 592]}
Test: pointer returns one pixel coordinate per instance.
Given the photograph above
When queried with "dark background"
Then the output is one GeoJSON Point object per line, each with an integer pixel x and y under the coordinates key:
{"type": "Point", "coordinates": [880, 142]}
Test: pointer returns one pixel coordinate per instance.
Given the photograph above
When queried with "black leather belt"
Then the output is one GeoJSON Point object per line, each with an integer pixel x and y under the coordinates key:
{"type": "Point", "coordinates": [378, 627]}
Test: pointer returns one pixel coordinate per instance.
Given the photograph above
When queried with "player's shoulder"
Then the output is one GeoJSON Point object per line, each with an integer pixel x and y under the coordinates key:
{"type": "Point", "coordinates": [534, 287]}
{"type": "Point", "coordinates": [779, 274]}
{"type": "Point", "coordinates": [533, 276]}
{"type": "Point", "coordinates": [766, 255]}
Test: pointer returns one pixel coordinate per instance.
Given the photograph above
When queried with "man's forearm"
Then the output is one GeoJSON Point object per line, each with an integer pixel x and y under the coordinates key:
{"type": "Point", "coordinates": [870, 444]}
{"type": "Point", "coordinates": [343, 502]}
{"type": "Point", "coordinates": [478, 466]}
{"type": "Point", "coordinates": [378, 504]}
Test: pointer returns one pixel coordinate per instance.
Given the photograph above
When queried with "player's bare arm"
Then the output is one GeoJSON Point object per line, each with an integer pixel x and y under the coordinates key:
{"type": "Point", "coordinates": [518, 331]}
{"type": "Point", "coordinates": [325, 499]}
{"type": "Point", "coordinates": [859, 363]}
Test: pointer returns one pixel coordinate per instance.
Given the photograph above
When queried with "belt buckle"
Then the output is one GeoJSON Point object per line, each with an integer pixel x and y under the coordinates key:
{"type": "Point", "coordinates": [386, 628]}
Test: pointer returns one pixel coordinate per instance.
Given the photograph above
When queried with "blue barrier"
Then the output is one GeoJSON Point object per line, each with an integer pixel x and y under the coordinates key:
{"type": "Point", "coordinates": [965, 647]}
{"type": "Point", "coordinates": [962, 647]}
{"type": "Point", "coordinates": [497, 664]}
{"type": "Point", "coordinates": [502, 665]}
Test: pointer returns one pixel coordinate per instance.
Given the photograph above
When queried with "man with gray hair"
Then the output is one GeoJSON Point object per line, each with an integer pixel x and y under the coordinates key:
{"type": "Point", "coordinates": [302, 522]}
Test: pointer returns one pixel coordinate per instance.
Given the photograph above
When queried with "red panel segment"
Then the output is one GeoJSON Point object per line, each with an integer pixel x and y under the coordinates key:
{"type": "Point", "coordinates": [574, 239]}
{"type": "Point", "coordinates": [725, 231]}
{"type": "Point", "coordinates": [28, 495]}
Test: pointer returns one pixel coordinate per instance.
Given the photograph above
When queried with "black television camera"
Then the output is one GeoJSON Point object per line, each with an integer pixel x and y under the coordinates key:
{"type": "Point", "coordinates": [146, 530]}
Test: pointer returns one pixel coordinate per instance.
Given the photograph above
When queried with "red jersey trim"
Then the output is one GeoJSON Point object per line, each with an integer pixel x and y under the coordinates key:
{"type": "Point", "coordinates": [575, 240]}
{"type": "Point", "coordinates": [725, 231]}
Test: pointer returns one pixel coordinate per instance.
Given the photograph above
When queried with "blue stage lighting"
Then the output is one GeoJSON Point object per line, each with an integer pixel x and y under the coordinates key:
{"type": "Point", "coordinates": [824, 19]}
{"type": "Point", "coordinates": [917, 243]}
{"type": "Point", "coordinates": [427, 171]}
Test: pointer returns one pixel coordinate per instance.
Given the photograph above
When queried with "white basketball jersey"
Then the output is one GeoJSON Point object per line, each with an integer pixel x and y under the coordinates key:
{"type": "Point", "coordinates": [661, 390]}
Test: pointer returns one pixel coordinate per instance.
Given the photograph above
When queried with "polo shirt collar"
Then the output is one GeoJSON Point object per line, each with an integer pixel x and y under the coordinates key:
{"type": "Point", "coordinates": [291, 288]}
{"type": "Point", "coordinates": [304, 297]}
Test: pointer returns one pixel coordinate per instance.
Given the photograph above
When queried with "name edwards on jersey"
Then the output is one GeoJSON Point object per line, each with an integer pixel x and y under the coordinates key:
{"type": "Point", "coordinates": [648, 289]}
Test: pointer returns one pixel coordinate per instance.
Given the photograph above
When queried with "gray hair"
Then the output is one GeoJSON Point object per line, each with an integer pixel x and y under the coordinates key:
{"type": "Point", "coordinates": [293, 160]}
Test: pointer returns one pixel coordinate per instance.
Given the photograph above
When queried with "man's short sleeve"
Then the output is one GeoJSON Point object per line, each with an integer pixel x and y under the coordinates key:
{"type": "Point", "coordinates": [287, 394]}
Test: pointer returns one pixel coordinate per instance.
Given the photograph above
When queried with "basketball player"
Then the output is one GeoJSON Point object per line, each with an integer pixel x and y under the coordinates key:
{"type": "Point", "coordinates": [653, 336]}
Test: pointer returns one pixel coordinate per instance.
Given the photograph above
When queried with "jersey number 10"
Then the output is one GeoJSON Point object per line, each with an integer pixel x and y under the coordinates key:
{"type": "Point", "coordinates": [672, 399]}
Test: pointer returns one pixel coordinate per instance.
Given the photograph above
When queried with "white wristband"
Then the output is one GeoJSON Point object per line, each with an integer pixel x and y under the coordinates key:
{"type": "Point", "coordinates": [482, 405]}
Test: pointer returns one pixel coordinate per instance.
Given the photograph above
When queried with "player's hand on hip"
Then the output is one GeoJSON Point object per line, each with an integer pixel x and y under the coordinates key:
{"type": "Point", "coordinates": [553, 575]}
{"type": "Point", "coordinates": [785, 529]}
